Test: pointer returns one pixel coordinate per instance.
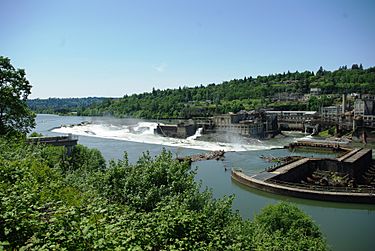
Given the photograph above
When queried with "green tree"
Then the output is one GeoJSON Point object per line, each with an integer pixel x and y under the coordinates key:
{"type": "Point", "coordinates": [285, 227]}
{"type": "Point", "coordinates": [174, 103]}
{"type": "Point", "coordinates": [154, 204]}
{"type": "Point", "coordinates": [15, 116]}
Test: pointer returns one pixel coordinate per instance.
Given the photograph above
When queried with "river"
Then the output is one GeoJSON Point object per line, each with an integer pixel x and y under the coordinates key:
{"type": "Point", "coordinates": [346, 226]}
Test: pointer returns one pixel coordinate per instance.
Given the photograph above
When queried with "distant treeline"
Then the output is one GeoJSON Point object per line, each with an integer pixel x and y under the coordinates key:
{"type": "Point", "coordinates": [238, 94]}
{"type": "Point", "coordinates": [62, 105]}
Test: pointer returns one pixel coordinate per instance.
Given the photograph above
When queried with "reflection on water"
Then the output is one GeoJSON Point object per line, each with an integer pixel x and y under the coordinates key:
{"type": "Point", "coordinates": [347, 226]}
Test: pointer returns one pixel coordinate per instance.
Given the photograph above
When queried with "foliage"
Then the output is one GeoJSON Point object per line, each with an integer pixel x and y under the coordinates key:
{"type": "Point", "coordinates": [61, 105]}
{"type": "Point", "coordinates": [52, 201]}
{"type": "Point", "coordinates": [237, 94]}
{"type": "Point", "coordinates": [84, 158]}
{"type": "Point", "coordinates": [328, 133]}
{"type": "Point", "coordinates": [292, 229]}
{"type": "Point", "coordinates": [324, 134]}
{"type": "Point", "coordinates": [35, 134]}
{"type": "Point", "coordinates": [332, 130]}
{"type": "Point", "coordinates": [15, 116]}
{"type": "Point", "coordinates": [315, 103]}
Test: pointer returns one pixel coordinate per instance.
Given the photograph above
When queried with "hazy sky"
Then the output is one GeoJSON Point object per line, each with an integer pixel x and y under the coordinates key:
{"type": "Point", "coordinates": [112, 48]}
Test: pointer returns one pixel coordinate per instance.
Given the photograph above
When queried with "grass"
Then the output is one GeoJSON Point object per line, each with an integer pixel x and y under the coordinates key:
{"type": "Point", "coordinates": [324, 134]}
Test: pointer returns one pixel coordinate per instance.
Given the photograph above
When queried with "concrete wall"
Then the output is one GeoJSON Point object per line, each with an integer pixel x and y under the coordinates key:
{"type": "Point", "coordinates": [354, 165]}
{"type": "Point", "coordinates": [167, 130]}
{"type": "Point", "coordinates": [255, 130]}
{"type": "Point", "coordinates": [358, 166]}
{"type": "Point", "coordinates": [176, 131]}
{"type": "Point", "coordinates": [347, 197]}
{"type": "Point", "coordinates": [306, 169]}
{"type": "Point", "coordinates": [250, 124]}
{"type": "Point", "coordinates": [184, 131]}
{"type": "Point", "coordinates": [298, 173]}
{"type": "Point", "coordinates": [285, 126]}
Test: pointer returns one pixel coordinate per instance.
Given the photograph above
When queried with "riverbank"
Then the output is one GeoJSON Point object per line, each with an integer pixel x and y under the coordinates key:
{"type": "Point", "coordinates": [333, 218]}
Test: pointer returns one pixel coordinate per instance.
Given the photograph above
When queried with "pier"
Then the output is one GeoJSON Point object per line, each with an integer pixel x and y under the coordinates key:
{"type": "Point", "coordinates": [68, 141]}
{"type": "Point", "coordinates": [323, 144]}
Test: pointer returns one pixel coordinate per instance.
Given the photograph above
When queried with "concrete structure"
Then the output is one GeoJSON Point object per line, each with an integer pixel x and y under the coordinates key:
{"type": "Point", "coordinates": [255, 124]}
{"type": "Point", "coordinates": [365, 109]}
{"type": "Point", "coordinates": [310, 192]}
{"type": "Point", "coordinates": [68, 141]}
{"type": "Point", "coordinates": [331, 113]}
{"type": "Point", "coordinates": [343, 105]}
{"type": "Point", "coordinates": [294, 116]}
{"type": "Point", "coordinates": [321, 144]}
{"type": "Point", "coordinates": [296, 120]}
{"type": "Point", "coordinates": [293, 179]}
{"type": "Point", "coordinates": [203, 122]}
{"type": "Point", "coordinates": [180, 130]}
{"type": "Point", "coordinates": [266, 124]}
{"type": "Point", "coordinates": [226, 119]}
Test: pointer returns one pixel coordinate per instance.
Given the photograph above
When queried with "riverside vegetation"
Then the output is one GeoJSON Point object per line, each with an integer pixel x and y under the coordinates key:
{"type": "Point", "coordinates": [52, 201]}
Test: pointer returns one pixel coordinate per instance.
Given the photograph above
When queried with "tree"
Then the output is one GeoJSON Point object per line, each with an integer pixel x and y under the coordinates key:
{"type": "Point", "coordinates": [15, 116]}
{"type": "Point", "coordinates": [49, 202]}
{"type": "Point", "coordinates": [173, 103]}
{"type": "Point", "coordinates": [285, 227]}
{"type": "Point", "coordinates": [320, 72]}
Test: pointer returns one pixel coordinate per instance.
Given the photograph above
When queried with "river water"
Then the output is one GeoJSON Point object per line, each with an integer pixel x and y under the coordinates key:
{"type": "Point", "coordinates": [346, 226]}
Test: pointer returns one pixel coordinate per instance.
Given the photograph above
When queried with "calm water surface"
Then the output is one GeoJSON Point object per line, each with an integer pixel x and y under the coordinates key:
{"type": "Point", "coordinates": [346, 226]}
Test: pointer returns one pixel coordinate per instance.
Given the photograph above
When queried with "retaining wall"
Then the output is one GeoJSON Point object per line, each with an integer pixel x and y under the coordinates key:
{"type": "Point", "coordinates": [348, 197]}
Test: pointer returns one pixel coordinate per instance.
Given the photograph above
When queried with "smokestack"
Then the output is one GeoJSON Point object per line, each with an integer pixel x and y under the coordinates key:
{"type": "Point", "coordinates": [343, 103]}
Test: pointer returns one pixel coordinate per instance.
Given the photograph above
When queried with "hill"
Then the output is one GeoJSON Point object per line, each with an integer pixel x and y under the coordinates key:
{"type": "Point", "coordinates": [283, 91]}
{"type": "Point", "coordinates": [62, 105]}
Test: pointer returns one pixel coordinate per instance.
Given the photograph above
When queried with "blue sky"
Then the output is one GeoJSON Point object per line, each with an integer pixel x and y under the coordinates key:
{"type": "Point", "coordinates": [111, 48]}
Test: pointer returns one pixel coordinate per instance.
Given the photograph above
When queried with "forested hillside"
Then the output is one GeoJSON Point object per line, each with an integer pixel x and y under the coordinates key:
{"type": "Point", "coordinates": [229, 96]}
{"type": "Point", "coordinates": [61, 105]}
{"type": "Point", "coordinates": [238, 94]}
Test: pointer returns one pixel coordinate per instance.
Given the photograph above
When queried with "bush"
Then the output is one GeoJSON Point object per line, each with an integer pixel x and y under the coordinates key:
{"type": "Point", "coordinates": [284, 227]}
{"type": "Point", "coordinates": [83, 158]}
{"type": "Point", "coordinates": [51, 202]}
{"type": "Point", "coordinates": [35, 134]}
